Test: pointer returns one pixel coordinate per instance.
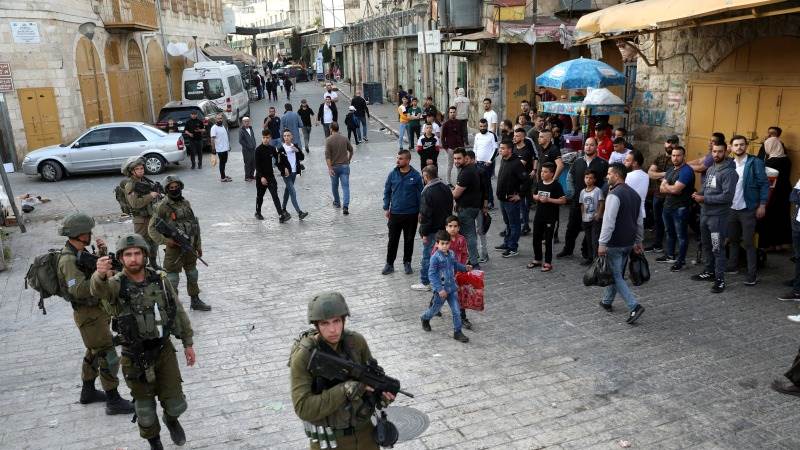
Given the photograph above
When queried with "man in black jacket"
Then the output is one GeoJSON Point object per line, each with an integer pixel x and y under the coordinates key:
{"type": "Point", "coordinates": [589, 161]}
{"type": "Point", "coordinates": [436, 205]}
{"type": "Point", "coordinates": [193, 135]}
{"type": "Point", "coordinates": [247, 139]}
{"type": "Point", "coordinates": [362, 112]}
{"type": "Point", "coordinates": [512, 182]}
{"type": "Point", "coordinates": [265, 178]}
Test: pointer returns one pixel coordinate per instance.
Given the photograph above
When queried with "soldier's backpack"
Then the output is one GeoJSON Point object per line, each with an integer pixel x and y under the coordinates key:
{"type": "Point", "coordinates": [42, 276]}
{"type": "Point", "coordinates": [122, 199]}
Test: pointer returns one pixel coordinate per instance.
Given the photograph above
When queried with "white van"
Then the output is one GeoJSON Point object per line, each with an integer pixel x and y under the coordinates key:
{"type": "Point", "coordinates": [221, 83]}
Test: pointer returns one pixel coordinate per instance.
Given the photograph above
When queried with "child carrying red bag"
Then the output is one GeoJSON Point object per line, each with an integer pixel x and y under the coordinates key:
{"type": "Point", "coordinates": [470, 289]}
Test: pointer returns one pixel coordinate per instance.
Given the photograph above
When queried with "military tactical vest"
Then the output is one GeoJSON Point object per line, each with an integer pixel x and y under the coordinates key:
{"type": "Point", "coordinates": [148, 305]}
{"type": "Point", "coordinates": [146, 211]}
{"type": "Point", "coordinates": [181, 216]}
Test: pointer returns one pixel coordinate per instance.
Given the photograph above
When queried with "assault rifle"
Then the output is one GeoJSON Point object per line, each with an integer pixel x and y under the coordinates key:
{"type": "Point", "coordinates": [147, 186]}
{"type": "Point", "coordinates": [180, 238]}
{"type": "Point", "coordinates": [334, 368]}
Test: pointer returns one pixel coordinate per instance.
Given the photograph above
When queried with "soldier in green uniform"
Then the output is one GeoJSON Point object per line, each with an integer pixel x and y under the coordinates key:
{"type": "Point", "coordinates": [93, 323]}
{"type": "Point", "coordinates": [322, 403]}
{"type": "Point", "coordinates": [147, 311]}
{"type": "Point", "coordinates": [177, 211]}
{"type": "Point", "coordinates": [141, 204]}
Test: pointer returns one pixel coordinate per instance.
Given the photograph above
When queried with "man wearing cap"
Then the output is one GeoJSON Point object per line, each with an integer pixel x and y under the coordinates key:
{"type": "Point", "coordinates": [339, 412]}
{"type": "Point", "coordinates": [656, 172]}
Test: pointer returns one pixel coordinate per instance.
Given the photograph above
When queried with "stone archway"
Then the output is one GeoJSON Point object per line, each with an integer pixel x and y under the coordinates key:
{"type": "Point", "coordinates": [158, 76]}
{"type": "Point", "coordinates": [92, 83]}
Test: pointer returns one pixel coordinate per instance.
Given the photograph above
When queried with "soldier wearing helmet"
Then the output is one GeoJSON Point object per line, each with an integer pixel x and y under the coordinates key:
{"type": "Point", "coordinates": [101, 357]}
{"type": "Point", "coordinates": [320, 402]}
{"type": "Point", "coordinates": [177, 211]}
{"type": "Point", "coordinates": [147, 311]}
{"type": "Point", "coordinates": [141, 204]}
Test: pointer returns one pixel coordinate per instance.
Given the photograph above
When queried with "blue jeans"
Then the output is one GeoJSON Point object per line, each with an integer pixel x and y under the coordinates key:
{"type": "Point", "coordinates": [658, 221]}
{"type": "Point", "coordinates": [677, 228]}
{"type": "Point", "coordinates": [467, 217]}
{"type": "Point", "coordinates": [525, 211]}
{"type": "Point", "coordinates": [341, 173]}
{"type": "Point", "coordinates": [289, 191]}
{"type": "Point", "coordinates": [425, 262]}
{"type": "Point", "coordinates": [363, 121]}
{"type": "Point", "coordinates": [401, 134]}
{"type": "Point", "coordinates": [438, 302]}
{"type": "Point", "coordinates": [618, 258]}
{"type": "Point", "coordinates": [511, 219]}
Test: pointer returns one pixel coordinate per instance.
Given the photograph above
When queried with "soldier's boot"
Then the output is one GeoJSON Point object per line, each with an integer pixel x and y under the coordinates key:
{"type": "Point", "coordinates": [198, 304]}
{"type": "Point", "coordinates": [116, 404]}
{"type": "Point", "coordinates": [155, 443]}
{"type": "Point", "coordinates": [175, 430]}
{"type": "Point", "coordinates": [90, 395]}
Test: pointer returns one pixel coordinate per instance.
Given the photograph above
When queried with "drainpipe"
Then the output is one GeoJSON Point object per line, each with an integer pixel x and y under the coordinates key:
{"type": "Point", "coordinates": [167, 67]}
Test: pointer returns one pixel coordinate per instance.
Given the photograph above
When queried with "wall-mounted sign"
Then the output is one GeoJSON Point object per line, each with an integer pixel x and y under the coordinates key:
{"type": "Point", "coordinates": [6, 80]}
{"type": "Point", "coordinates": [429, 41]}
{"type": "Point", "coordinates": [25, 32]}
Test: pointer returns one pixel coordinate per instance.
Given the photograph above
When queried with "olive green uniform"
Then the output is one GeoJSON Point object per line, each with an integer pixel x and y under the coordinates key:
{"type": "Point", "coordinates": [179, 214]}
{"type": "Point", "coordinates": [331, 407]}
{"type": "Point", "coordinates": [146, 302]}
{"type": "Point", "coordinates": [93, 323]}
{"type": "Point", "coordinates": [141, 210]}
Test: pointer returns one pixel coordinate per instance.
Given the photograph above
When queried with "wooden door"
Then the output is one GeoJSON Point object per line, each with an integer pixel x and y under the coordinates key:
{"type": "Point", "coordinates": [701, 120]}
{"type": "Point", "coordinates": [768, 107]}
{"type": "Point", "coordinates": [747, 113]}
{"type": "Point", "coordinates": [135, 94]}
{"type": "Point", "coordinates": [92, 81]}
{"type": "Point", "coordinates": [40, 117]}
{"type": "Point", "coordinates": [726, 110]}
{"type": "Point", "coordinates": [158, 78]}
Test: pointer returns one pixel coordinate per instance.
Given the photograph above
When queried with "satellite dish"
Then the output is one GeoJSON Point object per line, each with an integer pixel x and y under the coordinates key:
{"type": "Point", "coordinates": [177, 48]}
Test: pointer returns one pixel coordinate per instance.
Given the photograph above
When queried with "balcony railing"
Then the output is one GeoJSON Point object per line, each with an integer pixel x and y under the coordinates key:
{"type": "Point", "coordinates": [129, 15]}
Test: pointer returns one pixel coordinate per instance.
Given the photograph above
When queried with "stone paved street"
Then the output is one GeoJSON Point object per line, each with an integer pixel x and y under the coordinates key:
{"type": "Point", "coordinates": [545, 367]}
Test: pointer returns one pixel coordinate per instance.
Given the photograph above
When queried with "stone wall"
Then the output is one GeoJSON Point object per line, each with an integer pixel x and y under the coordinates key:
{"type": "Point", "coordinates": [660, 105]}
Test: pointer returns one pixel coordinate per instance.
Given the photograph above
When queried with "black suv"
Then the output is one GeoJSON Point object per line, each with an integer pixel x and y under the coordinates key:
{"type": "Point", "coordinates": [180, 112]}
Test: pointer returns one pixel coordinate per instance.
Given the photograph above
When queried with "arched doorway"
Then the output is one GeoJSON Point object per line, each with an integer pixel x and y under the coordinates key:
{"type": "Point", "coordinates": [115, 79]}
{"type": "Point", "coordinates": [92, 84]}
{"type": "Point", "coordinates": [135, 97]}
{"type": "Point", "coordinates": [176, 66]}
{"type": "Point", "coordinates": [158, 77]}
{"type": "Point", "coordinates": [753, 88]}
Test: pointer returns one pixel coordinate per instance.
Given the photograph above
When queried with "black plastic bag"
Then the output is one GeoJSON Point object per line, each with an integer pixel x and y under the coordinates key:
{"type": "Point", "coordinates": [639, 269]}
{"type": "Point", "coordinates": [599, 273]}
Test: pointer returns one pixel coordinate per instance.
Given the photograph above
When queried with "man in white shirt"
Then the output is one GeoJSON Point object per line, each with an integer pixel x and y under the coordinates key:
{"type": "Point", "coordinates": [329, 92]}
{"type": "Point", "coordinates": [220, 144]}
{"type": "Point", "coordinates": [490, 115]}
{"type": "Point", "coordinates": [637, 178]}
{"type": "Point", "coordinates": [485, 148]}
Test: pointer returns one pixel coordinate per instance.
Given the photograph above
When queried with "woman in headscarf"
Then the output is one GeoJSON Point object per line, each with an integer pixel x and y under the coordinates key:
{"type": "Point", "coordinates": [774, 230]}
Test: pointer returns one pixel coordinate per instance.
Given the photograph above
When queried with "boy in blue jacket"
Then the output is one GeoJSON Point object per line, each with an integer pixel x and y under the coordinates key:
{"type": "Point", "coordinates": [441, 273]}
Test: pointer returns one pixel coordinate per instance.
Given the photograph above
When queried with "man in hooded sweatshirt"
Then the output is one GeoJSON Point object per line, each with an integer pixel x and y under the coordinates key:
{"type": "Point", "coordinates": [715, 198]}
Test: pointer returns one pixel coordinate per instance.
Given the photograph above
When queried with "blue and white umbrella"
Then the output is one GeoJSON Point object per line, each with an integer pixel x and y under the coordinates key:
{"type": "Point", "coordinates": [580, 73]}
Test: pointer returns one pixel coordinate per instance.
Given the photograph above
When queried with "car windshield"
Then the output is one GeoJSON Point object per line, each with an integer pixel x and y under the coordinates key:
{"type": "Point", "coordinates": [178, 114]}
{"type": "Point", "coordinates": [199, 89]}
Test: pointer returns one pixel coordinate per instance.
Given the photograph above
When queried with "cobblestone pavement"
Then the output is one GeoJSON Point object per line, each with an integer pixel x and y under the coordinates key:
{"type": "Point", "coordinates": [545, 368]}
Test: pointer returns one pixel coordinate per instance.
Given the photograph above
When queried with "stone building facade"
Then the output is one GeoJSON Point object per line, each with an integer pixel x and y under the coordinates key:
{"type": "Point", "coordinates": [736, 78]}
{"type": "Point", "coordinates": [65, 83]}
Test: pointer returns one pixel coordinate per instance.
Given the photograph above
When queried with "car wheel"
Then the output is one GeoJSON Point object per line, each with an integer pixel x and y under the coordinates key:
{"type": "Point", "coordinates": [154, 164]}
{"type": "Point", "coordinates": [51, 171]}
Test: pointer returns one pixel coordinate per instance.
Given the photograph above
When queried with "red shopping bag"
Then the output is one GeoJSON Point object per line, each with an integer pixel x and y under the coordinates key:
{"type": "Point", "coordinates": [470, 289]}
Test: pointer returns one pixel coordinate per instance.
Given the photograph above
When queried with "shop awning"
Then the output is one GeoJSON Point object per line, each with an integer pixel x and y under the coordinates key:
{"type": "Point", "coordinates": [228, 54]}
{"type": "Point", "coordinates": [544, 30]}
{"type": "Point", "coordinates": [652, 15]}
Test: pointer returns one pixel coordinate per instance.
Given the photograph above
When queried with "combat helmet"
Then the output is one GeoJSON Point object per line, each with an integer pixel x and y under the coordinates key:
{"type": "Point", "coordinates": [326, 306]}
{"type": "Point", "coordinates": [132, 240]}
{"type": "Point", "coordinates": [171, 179]}
{"type": "Point", "coordinates": [130, 164]}
{"type": "Point", "coordinates": [76, 224]}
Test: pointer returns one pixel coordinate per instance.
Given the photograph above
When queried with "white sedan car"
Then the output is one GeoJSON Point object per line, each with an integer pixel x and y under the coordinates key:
{"type": "Point", "coordinates": [104, 148]}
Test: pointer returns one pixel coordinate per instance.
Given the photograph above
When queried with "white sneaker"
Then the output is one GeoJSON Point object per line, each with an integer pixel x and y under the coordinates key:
{"type": "Point", "coordinates": [420, 287]}
{"type": "Point", "coordinates": [794, 318]}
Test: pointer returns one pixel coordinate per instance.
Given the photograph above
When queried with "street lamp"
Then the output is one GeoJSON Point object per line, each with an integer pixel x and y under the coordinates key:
{"type": "Point", "coordinates": [87, 30]}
